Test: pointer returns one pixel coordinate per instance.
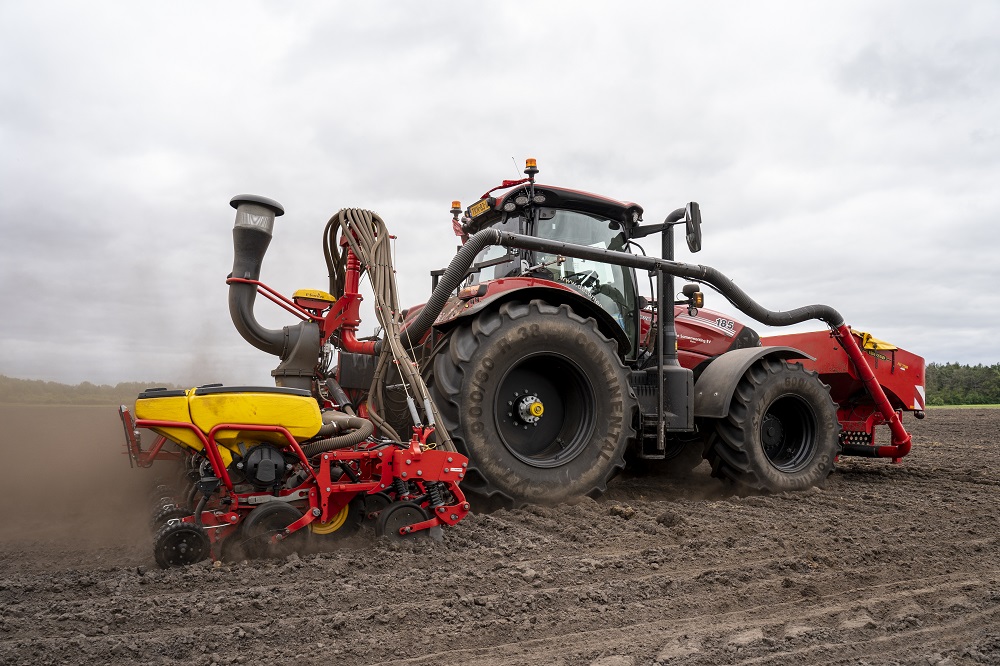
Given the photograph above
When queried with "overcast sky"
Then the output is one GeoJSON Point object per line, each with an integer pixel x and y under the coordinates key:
{"type": "Point", "coordinates": [843, 153]}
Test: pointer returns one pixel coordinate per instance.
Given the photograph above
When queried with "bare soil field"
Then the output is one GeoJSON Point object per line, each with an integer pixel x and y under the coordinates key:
{"type": "Point", "coordinates": [888, 564]}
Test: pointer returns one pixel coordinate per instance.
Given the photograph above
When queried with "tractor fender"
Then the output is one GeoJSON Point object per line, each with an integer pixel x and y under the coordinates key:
{"type": "Point", "coordinates": [715, 386]}
{"type": "Point", "coordinates": [528, 289]}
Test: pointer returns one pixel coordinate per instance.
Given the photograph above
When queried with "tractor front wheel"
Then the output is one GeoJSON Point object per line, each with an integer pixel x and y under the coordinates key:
{"type": "Point", "coordinates": [537, 398]}
{"type": "Point", "coordinates": [781, 433]}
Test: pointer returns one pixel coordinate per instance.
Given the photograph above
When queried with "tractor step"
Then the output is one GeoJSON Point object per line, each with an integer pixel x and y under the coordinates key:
{"type": "Point", "coordinates": [648, 440]}
{"type": "Point", "coordinates": [678, 412]}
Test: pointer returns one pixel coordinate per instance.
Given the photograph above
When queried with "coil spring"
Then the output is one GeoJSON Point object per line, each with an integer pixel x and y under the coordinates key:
{"type": "Point", "coordinates": [402, 490]}
{"type": "Point", "coordinates": [435, 495]}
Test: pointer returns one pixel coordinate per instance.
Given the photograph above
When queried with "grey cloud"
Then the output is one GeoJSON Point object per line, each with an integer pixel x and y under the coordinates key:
{"type": "Point", "coordinates": [836, 160]}
{"type": "Point", "coordinates": [905, 76]}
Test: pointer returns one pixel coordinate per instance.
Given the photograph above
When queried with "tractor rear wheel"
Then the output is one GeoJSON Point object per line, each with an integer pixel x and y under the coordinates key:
{"type": "Point", "coordinates": [781, 433]}
{"type": "Point", "coordinates": [537, 398]}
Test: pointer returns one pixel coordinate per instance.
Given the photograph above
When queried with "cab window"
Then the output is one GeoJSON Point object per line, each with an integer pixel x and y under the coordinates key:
{"type": "Point", "coordinates": [611, 286]}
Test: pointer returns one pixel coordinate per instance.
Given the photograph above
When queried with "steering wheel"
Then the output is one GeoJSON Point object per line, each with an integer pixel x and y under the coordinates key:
{"type": "Point", "coordinates": [589, 279]}
{"type": "Point", "coordinates": [614, 294]}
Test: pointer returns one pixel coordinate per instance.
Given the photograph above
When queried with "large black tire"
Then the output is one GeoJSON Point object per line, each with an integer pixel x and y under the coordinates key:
{"type": "Point", "coordinates": [781, 433]}
{"type": "Point", "coordinates": [486, 381]}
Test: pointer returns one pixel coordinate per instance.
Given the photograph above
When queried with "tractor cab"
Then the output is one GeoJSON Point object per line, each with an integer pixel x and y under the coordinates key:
{"type": "Point", "coordinates": [562, 215]}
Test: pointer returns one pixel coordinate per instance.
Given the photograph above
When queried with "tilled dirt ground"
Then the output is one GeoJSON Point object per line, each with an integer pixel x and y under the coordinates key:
{"type": "Point", "coordinates": [889, 564]}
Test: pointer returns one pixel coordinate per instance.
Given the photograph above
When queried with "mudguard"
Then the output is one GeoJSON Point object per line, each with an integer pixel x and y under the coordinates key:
{"type": "Point", "coordinates": [715, 387]}
{"type": "Point", "coordinates": [526, 289]}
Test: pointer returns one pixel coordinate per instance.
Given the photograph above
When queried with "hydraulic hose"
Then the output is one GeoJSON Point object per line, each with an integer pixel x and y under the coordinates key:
{"type": "Point", "coordinates": [365, 234]}
{"type": "Point", "coordinates": [449, 282]}
{"type": "Point", "coordinates": [460, 264]}
{"type": "Point", "coordinates": [361, 429]}
{"type": "Point", "coordinates": [706, 274]}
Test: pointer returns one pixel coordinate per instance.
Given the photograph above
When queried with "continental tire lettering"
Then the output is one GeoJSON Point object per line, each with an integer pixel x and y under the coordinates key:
{"type": "Point", "coordinates": [614, 433]}
{"type": "Point", "coordinates": [529, 331]}
{"type": "Point", "coordinates": [477, 395]}
{"type": "Point", "coordinates": [615, 391]}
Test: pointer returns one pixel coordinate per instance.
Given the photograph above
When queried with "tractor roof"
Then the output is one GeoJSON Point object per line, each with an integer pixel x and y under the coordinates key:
{"type": "Point", "coordinates": [562, 198]}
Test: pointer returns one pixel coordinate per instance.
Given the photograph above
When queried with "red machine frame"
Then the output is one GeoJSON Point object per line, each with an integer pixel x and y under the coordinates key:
{"type": "Point", "coordinates": [378, 467]}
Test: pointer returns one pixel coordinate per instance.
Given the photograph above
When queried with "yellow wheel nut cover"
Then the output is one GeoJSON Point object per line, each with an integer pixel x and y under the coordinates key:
{"type": "Point", "coordinates": [537, 409]}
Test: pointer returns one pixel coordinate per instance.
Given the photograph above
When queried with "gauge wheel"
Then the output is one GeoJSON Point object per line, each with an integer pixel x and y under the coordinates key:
{"type": "Point", "coordinates": [180, 544]}
{"type": "Point", "coordinates": [267, 521]}
{"type": "Point", "coordinates": [344, 523]}
{"type": "Point", "coordinates": [168, 514]}
{"type": "Point", "coordinates": [393, 520]}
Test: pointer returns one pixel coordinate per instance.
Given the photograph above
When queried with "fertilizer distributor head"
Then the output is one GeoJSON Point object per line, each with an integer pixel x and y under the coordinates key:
{"type": "Point", "coordinates": [252, 232]}
{"type": "Point", "coordinates": [251, 236]}
{"type": "Point", "coordinates": [298, 346]}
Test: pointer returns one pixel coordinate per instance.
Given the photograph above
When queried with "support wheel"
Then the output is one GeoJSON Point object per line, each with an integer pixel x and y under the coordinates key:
{"type": "Point", "coordinates": [167, 514]}
{"type": "Point", "coordinates": [346, 522]}
{"type": "Point", "coordinates": [375, 504]}
{"type": "Point", "coordinates": [781, 433]}
{"type": "Point", "coordinates": [538, 399]}
{"type": "Point", "coordinates": [396, 517]}
{"type": "Point", "coordinates": [180, 544]}
{"type": "Point", "coordinates": [269, 520]}
{"type": "Point", "coordinates": [231, 549]}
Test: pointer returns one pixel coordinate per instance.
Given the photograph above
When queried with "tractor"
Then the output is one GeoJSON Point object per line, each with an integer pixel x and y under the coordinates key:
{"type": "Point", "coordinates": [537, 359]}
{"type": "Point", "coordinates": [546, 367]}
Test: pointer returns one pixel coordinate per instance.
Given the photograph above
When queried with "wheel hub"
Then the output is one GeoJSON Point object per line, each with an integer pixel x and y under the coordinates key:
{"type": "Point", "coordinates": [788, 434]}
{"type": "Point", "coordinates": [544, 410]}
{"type": "Point", "coordinates": [772, 432]}
{"type": "Point", "coordinates": [527, 408]}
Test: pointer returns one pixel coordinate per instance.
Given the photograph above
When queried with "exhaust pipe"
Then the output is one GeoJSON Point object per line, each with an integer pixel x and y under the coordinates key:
{"type": "Point", "coordinates": [297, 346]}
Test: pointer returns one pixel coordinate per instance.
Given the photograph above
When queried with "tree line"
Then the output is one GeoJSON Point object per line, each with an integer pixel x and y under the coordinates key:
{"type": "Point", "coordinates": [39, 392]}
{"type": "Point", "coordinates": [954, 384]}
{"type": "Point", "coordinates": [947, 384]}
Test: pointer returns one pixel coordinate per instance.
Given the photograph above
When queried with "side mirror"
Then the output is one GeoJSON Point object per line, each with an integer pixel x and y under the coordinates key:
{"type": "Point", "coordinates": [692, 218]}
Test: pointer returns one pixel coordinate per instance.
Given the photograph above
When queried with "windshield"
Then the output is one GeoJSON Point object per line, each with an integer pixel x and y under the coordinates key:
{"type": "Point", "coordinates": [611, 286]}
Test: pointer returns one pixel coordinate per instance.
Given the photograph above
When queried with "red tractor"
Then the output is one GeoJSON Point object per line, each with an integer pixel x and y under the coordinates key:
{"type": "Point", "coordinates": [533, 372]}
{"type": "Point", "coordinates": [546, 367]}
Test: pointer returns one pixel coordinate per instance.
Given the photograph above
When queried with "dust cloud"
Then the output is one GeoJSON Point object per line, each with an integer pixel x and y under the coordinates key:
{"type": "Point", "coordinates": [68, 481]}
